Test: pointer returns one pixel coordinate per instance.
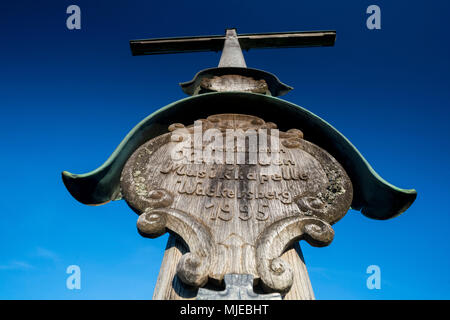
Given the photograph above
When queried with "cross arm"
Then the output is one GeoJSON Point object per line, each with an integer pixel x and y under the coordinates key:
{"type": "Point", "coordinates": [287, 39]}
{"type": "Point", "coordinates": [246, 41]}
{"type": "Point", "coordinates": [176, 45]}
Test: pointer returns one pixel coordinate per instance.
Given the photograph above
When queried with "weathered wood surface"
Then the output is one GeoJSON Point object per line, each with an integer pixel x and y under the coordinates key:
{"type": "Point", "coordinates": [170, 287]}
{"type": "Point", "coordinates": [236, 217]}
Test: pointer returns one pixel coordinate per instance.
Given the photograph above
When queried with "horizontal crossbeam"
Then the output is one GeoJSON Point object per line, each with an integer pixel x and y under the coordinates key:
{"type": "Point", "coordinates": [246, 41]}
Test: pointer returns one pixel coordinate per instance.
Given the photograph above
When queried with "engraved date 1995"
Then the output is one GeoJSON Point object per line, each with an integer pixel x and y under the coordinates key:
{"type": "Point", "coordinates": [224, 211]}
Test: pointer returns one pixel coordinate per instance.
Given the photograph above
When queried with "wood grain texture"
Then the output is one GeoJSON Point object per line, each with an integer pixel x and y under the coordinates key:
{"type": "Point", "coordinates": [237, 207]}
{"type": "Point", "coordinates": [170, 287]}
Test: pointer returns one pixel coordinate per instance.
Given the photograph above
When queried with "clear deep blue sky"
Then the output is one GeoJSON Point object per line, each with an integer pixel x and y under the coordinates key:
{"type": "Point", "coordinates": [68, 97]}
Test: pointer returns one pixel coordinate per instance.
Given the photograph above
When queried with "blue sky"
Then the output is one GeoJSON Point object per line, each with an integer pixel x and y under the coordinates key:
{"type": "Point", "coordinates": [68, 97]}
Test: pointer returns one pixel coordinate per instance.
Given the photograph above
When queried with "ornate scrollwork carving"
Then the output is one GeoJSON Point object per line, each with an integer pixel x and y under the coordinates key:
{"type": "Point", "coordinates": [236, 218]}
{"type": "Point", "coordinates": [276, 274]}
{"type": "Point", "coordinates": [193, 268]}
{"type": "Point", "coordinates": [237, 287]}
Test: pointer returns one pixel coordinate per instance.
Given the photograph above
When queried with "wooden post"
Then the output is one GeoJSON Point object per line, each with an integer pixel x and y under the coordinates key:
{"type": "Point", "coordinates": [169, 287]}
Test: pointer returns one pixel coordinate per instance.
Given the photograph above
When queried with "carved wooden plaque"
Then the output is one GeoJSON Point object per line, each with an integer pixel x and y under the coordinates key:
{"type": "Point", "coordinates": [238, 206]}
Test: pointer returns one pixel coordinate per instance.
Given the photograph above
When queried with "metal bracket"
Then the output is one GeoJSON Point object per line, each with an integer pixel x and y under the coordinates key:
{"type": "Point", "coordinates": [237, 287]}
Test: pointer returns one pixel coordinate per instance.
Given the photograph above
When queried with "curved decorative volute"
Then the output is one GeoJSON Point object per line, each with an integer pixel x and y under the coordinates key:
{"type": "Point", "coordinates": [194, 267]}
{"type": "Point", "coordinates": [276, 274]}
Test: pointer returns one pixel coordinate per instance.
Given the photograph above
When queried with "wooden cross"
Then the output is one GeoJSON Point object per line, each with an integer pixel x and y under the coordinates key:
{"type": "Point", "coordinates": [237, 224]}
{"type": "Point", "coordinates": [206, 241]}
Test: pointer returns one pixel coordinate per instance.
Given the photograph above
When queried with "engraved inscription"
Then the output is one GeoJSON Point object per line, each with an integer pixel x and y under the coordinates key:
{"type": "Point", "coordinates": [244, 208]}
